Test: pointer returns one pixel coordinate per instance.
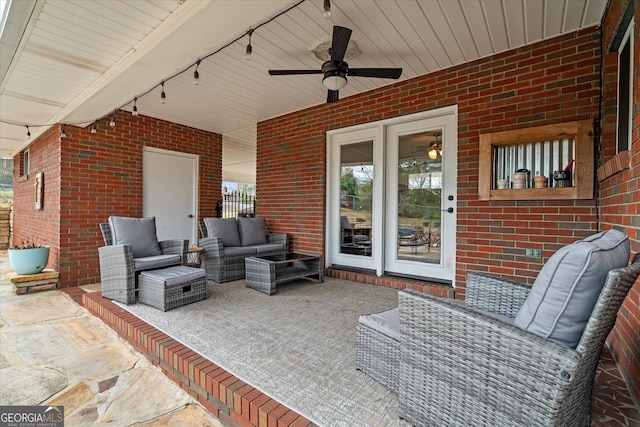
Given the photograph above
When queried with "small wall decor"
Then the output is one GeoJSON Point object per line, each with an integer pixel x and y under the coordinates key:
{"type": "Point", "coordinates": [39, 184]}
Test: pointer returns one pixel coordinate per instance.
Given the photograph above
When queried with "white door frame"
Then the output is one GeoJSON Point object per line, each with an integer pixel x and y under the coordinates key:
{"type": "Point", "coordinates": [376, 131]}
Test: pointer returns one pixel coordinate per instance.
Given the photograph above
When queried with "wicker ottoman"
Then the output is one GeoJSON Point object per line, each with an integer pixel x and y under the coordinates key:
{"type": "Point", "coordinates": [172, 287]}
{"type": "Point", "coordinates": [378, 347]}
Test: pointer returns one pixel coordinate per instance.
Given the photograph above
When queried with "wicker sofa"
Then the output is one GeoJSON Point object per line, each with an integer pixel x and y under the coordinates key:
{"type": "Point", "coordinates": [469, 363]}
{"type": "Point", "coordinates": [226, 242]}
{"type": "Point", "coordinates": [131, 246]}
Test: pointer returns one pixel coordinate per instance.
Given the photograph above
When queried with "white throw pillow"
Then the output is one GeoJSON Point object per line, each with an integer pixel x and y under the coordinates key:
{"type": "Point", "coordinates": [567, 288]}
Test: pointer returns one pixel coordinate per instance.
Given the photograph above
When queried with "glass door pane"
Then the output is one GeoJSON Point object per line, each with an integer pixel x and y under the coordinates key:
{"type": "Point", "coordinates": [356, 198]}
{"type": "Point", "coordinates": [419, 196]}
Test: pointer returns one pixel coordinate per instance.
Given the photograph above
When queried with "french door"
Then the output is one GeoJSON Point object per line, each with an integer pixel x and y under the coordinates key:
{"type": "Point", "coordinates": [392, 195]}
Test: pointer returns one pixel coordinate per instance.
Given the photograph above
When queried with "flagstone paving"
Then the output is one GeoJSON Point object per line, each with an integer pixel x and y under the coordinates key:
{"type": "Point", "coordinates": [53, 352]}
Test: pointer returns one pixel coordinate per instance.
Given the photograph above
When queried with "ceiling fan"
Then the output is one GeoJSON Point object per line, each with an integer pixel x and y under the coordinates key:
{"type": "Point", "coordinates": [335, 70]}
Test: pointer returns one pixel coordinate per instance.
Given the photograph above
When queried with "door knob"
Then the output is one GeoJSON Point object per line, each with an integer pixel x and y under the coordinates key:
{"type": "Point", "coordinates": [190, 215]}
{"type": "Point", "coordinates": [450, 210]}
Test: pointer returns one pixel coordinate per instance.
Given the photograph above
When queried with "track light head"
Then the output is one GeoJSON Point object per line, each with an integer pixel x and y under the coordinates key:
{"type": "Point", "coordinates": [94, 128]}
{"type": "Point", "coordinates": [163, 96]}
{"type": "Point", "coordinates": [63, 134]}
{"type": "Point", "coordinates": [112, 123]}
{"type": "Point", "coordinates": [28, 132]}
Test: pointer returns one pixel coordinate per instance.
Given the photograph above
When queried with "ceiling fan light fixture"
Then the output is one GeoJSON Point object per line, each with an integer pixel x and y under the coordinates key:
{"type": "Point", "coordinates": [334, 81]}
{"type": "Point", "coordinates": [435, 149]}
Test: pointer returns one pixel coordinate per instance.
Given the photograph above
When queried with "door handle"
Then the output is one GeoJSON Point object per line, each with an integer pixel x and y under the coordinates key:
{"type": "Point", "coordinates": [190, 215]}
{"type": "Point", "coordinates": [450, 210]}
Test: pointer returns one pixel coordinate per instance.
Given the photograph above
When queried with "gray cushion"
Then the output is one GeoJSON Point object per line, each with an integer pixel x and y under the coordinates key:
{"type": "Point", "coordinates": [226, 228]}
{"type": "Point", "coordinates": [175, 275]}
{"type": "Point", "coordinates": [240, 250]}
{"type": "Point", "coordinates": [386, 322]}
{"type": "Point", "coordinates": [157, 261]}
{"type": "Point", "coordinates": [140, 233]}
{"type": "Point", "coordinates": [252, 231]}
{"type": "Point", "coordinates": [269, 247]}
{"type": "Point", "coordinates": [566, 289]}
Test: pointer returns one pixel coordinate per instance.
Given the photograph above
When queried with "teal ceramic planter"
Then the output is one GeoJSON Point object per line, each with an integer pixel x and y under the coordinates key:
{"type": "Point", "coordinates": [29, 261]}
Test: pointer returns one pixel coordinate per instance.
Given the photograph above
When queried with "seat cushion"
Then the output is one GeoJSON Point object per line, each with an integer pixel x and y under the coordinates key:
{"type": "Point", "coordinates": [140, 233]}
{"type": "Point", "coordinates": [386, 322]}
{"type": "Point", "coordinates": [175, 275]}
{"type": "Point", "coordinates": [157, 261]}
{"type": "Point", "coordinates": [567, 288]}
{"type": "Point", "coordinates": [240, 251]}
{"type": "Point", "coordinates": [225, 228]}
{"type": "Point", "coordinates": [269, 247]}
{"type": "Point", "coordinates": [253, 231]}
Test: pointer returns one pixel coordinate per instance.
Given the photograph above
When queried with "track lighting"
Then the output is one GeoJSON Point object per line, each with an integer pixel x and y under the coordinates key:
{"type": "Point", "coordinates": [196, 75]}
{"type": "Point", "coordinates": [249, 51]}
{"type": "Point", "coordinates": [339, 80]}
{"type": "Point", "coordinates": [134, 111]}
{"type": "Point", "coordinates": [327, 9]}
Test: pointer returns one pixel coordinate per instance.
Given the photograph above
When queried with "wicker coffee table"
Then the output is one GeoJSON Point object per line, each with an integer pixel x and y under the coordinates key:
{"type": "Point", "coordinates": [265, 273]}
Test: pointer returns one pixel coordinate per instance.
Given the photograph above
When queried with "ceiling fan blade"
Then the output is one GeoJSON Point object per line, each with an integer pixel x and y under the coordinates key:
{"type": "Point", "coordinates": [384, 73]}
{"type": "Point", "coordinates": [339, 42]}
{"type": "Point", "coordinates": [332, 96]}
{"type": "Point", "coordinates": [289, 72]}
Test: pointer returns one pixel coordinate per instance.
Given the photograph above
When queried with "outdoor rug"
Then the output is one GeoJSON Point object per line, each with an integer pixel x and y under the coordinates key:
{"type": "Point", "coordinates": [297, 346]}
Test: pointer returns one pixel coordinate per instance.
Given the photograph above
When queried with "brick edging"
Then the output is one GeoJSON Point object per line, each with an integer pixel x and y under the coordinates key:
{"type": "Point", "coordinates": [229, 399]}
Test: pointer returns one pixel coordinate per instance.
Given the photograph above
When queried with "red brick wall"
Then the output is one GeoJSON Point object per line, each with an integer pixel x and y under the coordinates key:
{"type": "Point", "coordinates": [97, 175]}
{"type": "Point", "coordinates": [548, 82]}
{"type": "Point", "coordinates": [40, 226]}
{"type": "Point", "coordinates": [619, 183]}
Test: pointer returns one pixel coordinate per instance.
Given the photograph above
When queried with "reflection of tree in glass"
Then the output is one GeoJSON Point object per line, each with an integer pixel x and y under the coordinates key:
{"type": "Point", "coordinates": [419, 189]}
{"type": "Point", "coordinates": [357, 183]}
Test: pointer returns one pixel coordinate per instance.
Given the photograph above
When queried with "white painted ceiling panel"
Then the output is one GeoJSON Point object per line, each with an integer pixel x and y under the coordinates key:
{"type": "Point", "coordinates": [75, 61]}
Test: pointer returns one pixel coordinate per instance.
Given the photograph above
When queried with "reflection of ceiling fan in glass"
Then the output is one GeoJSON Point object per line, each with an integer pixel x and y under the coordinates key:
{"type": "Point", "coordinates": [435, 149]}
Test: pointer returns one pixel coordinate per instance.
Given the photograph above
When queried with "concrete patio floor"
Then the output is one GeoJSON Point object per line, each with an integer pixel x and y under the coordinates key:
{"type": "Point", "coordinates": [54, 352]}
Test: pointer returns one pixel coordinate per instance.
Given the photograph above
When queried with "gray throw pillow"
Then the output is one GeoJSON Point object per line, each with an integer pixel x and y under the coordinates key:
{"type": "Point", "coordinates": [226, 228]}
{"type": "Point", "coordinates": [567, 288]}
{"type": "Point", "coordinates": [140, 233]}
{"type": "Point", "coordinates": [253, 231]}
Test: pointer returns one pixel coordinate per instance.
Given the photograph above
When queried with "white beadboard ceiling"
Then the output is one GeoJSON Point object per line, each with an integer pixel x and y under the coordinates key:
{"type": "Point", "coordinates": [72, 61]}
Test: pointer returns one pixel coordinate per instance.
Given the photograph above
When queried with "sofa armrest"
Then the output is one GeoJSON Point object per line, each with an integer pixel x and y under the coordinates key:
{"type": "Point", "coordinates": [451, 355]}
{"type": "Point", "coordinates": [176, 246]}
{"type": "Point", "coordinates": [495, 294]}
{"type": "Point", "coordinates": [279, 238]}
{"type": "Point", "coordinates": [117, 273]}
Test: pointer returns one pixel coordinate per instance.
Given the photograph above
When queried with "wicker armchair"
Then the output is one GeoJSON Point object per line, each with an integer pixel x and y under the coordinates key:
{"type": "Point", "coordinates": [119, 268]}
{"type": "Point", "coordinates": [461, 367]}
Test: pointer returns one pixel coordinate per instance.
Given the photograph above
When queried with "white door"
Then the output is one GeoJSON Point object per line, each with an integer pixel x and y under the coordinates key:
{"type": "Point", "coordinates": [170, 188]}
{"type": "Point", "coordinates": [353, 201]}
{"type": "Point", "coordinates": [391, 195]}
{"type": "Point", "coordinates": [421, 159]}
